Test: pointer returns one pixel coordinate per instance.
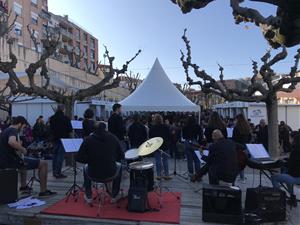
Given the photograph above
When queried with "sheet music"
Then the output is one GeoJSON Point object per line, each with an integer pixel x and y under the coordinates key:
{"type": "Point", "coordinates": [257, 151]}
{"type": "Point", "coordinates": [229, 132]}
{"type": "Point", "coordinates": [76, 124]}
{"type": "Point", "coordinates": [71, 144]}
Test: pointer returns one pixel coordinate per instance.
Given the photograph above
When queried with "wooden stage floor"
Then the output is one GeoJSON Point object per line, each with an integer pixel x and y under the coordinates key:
{"type": "Point", "coordinates": [191, 203]}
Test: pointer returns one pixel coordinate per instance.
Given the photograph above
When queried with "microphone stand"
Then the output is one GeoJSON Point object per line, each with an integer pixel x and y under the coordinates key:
{"type": "Point", "coordinates": [160, 185]}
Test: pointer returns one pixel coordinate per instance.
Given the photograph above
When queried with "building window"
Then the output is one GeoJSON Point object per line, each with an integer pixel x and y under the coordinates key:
{"type": "Point", "coordinates": [34, 18]}
{"type": "Point", "coordinates": [92, 55]}
{"type": "Point", "coordinates": [18, 29]}
{"type": "Point", "coordinates": [34, 2]}
{"type": "Point", "coordinates": [92, 43]}
{"type": "Point", "coordinates": [18, 9]}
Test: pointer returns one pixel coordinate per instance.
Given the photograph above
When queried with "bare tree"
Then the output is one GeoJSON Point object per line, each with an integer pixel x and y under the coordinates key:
{"type": "Point", "coordinates": [266, 85]}
{"type": "Point", "coordinates": [282, 29]}
{"type": "Point", "coordinates": [111, 79]}
{"type": "Point", "coordinates": [132, 80]}
{"type": "Point", "coordinates": [5, 28]}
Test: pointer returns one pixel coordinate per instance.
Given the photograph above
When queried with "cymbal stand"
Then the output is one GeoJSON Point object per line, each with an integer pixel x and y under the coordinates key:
{"type": "Point", "coordinates": [160, 184]}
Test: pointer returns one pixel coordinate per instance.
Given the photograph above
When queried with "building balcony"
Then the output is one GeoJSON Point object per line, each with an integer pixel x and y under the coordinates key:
{"type": "Point", "coordinates": [44, 14]}
{"type": "Point", "coordinates": [66, 34]}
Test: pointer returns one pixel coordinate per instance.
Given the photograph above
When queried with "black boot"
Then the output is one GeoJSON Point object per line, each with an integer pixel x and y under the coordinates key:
{"type": "Point", "coordinates": [292, 201]}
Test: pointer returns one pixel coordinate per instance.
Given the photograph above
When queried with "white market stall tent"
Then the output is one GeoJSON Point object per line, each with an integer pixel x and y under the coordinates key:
{"type": "Point", "coordinates": [158, 93]}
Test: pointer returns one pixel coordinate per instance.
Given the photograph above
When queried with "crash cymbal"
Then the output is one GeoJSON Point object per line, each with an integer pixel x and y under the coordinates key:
{"type": "Point", "coordinates": [150, 146]}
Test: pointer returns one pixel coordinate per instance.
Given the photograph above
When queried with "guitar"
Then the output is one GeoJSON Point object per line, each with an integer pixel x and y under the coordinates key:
{"type": "Point", "coordinates": [19, 157]}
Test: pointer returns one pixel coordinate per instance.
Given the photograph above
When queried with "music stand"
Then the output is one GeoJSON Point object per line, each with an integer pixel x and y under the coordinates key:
{"type": "Point", "coordinates": [72, 145]}
{"type": "Point", "coordinates": [77, 128]}
{"type": "Point", "coordinates": [32, 179]}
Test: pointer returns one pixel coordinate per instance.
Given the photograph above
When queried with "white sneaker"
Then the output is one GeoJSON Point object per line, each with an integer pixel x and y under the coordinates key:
{"type": "Point", "coordinates": [88, 200]}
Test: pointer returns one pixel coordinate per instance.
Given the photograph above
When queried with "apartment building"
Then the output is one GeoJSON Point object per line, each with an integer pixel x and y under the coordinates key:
{"type": "Point", "coordinates": [78, 47]}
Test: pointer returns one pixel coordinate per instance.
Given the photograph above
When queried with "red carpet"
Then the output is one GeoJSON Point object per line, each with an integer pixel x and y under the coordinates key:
{"type": "Point", "coordinates": [169, 213]}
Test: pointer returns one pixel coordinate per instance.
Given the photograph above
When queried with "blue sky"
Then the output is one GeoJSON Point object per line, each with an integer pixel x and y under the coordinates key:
{"type": "Point", "coordinates": [156, 27]}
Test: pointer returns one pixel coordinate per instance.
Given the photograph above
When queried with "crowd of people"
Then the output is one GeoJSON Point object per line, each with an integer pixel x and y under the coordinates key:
{"type": "Point", "coordinates": [105, 144]}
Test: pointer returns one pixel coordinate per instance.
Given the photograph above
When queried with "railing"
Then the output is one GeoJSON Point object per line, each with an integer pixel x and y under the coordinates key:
{"type": "Point", "coordinates": [66, 33]}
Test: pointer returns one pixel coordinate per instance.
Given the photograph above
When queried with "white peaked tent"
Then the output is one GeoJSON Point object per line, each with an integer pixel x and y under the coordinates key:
{"type": "Point", "coordinates": [158, 93]}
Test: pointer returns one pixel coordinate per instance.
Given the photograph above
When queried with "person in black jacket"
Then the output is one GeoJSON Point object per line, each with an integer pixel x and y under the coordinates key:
{"type": "Point", "coordinates": [101, 151]}
{"type": "Point", "coordinates": [116, 124]}
{"type": "Point", "coordinates": [241, 135]}
{"type": "Point", "coordinates": [159, 129]}
{"type": "Point", "coordinates": [39, 130]}
{"type": "Point", "coordinates": [222, 160]}
{"type": "Point", "coordinates": [262, 134]}
{"type": "Point", "coordinates": [137, 132]}
{"type": "Point", "coordinates": [214, 122]}
{"type": "Point", "coordinates": [192, 133]}
{"type": "Point", "coordinates": [61, 127]}
{"type": "Point", "coordinates": [88, 124]}
{"type": "Point", "coordinates": [292, 175]}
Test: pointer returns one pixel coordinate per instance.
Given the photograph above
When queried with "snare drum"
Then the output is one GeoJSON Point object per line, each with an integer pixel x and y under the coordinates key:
{"type": "Point", "coordinates": [131, 156]}
{"type": "Point", "coordinates": [142, 174]}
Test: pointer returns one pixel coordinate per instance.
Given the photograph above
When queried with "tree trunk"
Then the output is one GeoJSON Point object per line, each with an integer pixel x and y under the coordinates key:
{"type": "Point", "coordinates": [273, 135]}
{"type": "Point", "coordinates": [69, 108]}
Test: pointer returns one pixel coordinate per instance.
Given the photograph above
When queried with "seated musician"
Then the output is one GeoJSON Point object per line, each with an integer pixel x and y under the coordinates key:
{"type": "Point", "coordinates": [11, 156]}
{"type": "Point", "coordinates": [222, 160]}
{"type": "Point", "coordinates": [291, 174]}
{"type": "Point", "coordinates": [101, 152]}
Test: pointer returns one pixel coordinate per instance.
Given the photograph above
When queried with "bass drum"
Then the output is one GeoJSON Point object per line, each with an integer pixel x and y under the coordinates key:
{"type": "Point", "coordinates": [142, 175]}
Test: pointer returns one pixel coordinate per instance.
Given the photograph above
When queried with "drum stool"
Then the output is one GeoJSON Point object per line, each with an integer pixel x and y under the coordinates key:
{"type": "Point", "coordinates": [103, 187]}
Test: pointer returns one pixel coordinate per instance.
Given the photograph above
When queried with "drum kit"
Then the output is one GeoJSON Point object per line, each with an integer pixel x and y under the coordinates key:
{"type": "Point", "coordinates": [142, 171]}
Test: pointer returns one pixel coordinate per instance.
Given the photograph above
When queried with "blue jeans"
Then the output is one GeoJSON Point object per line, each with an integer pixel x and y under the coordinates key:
{"type": "Point", "coordinates": [285, 178]}
{"type": "Point", "coordinates": [191, 158]}
{"type": "Point", "coordinates": [115, 185]}
{"type": "Point", "coordinates": [157, 156]}
{"type": "Point", "coordinates": [58, 158]}
{"type": "Point", "coordinates": [242, 174]}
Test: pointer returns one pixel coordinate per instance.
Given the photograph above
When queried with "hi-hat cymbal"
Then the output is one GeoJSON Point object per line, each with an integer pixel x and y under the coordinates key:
{"type": "Point", "coordinates": [150, 146]}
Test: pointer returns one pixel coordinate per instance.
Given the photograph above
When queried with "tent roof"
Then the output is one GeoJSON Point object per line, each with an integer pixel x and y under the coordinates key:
{"type": "Point", "coordinates": [158, 93]}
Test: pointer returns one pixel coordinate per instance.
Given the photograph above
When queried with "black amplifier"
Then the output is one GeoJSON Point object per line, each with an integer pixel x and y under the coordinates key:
{"type": "Point", "coordinates": [137, 199]}
{"type": "Point", "coordinates": [9, 186]}
{"type": "Point", "coordinates": [266, 202]}
{"type": "Point", "coordinates": [222, 204]}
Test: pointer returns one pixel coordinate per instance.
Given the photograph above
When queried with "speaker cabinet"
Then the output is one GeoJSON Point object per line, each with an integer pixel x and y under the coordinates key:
{"type": "Point", "coordinates": [222, 204]}
{"type": "Point", "coordinates": [268, 203]}
{"type": "Point", "coordinates": [8, 186]}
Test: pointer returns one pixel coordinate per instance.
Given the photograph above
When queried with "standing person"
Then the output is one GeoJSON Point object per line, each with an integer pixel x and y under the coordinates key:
{"type": "Point", "coordinates": [61, 127]}
{"type": "Point", "coordinates": [10, 151]}
{"type": "Point", "coordinates": [137, 132]}
{"type": "Point", "coordinates": [284, 136]}
{"type": "Point", "coordinates": [262, 134]}
{"type": "Point", "coordinates": [215, 122]}
{"type": "Point", "coordinates": [158, 129]}
{"type": "Point", "coordinates": [116, 124]}
{"type": "Point", "coordinates": [88, 124]}
{"type": "Point", "coordinates": [39, 130]}
{"type": "Point", "coordinates": [242, 135]}
{"type": "Point", "coordinates": [192, 133]}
